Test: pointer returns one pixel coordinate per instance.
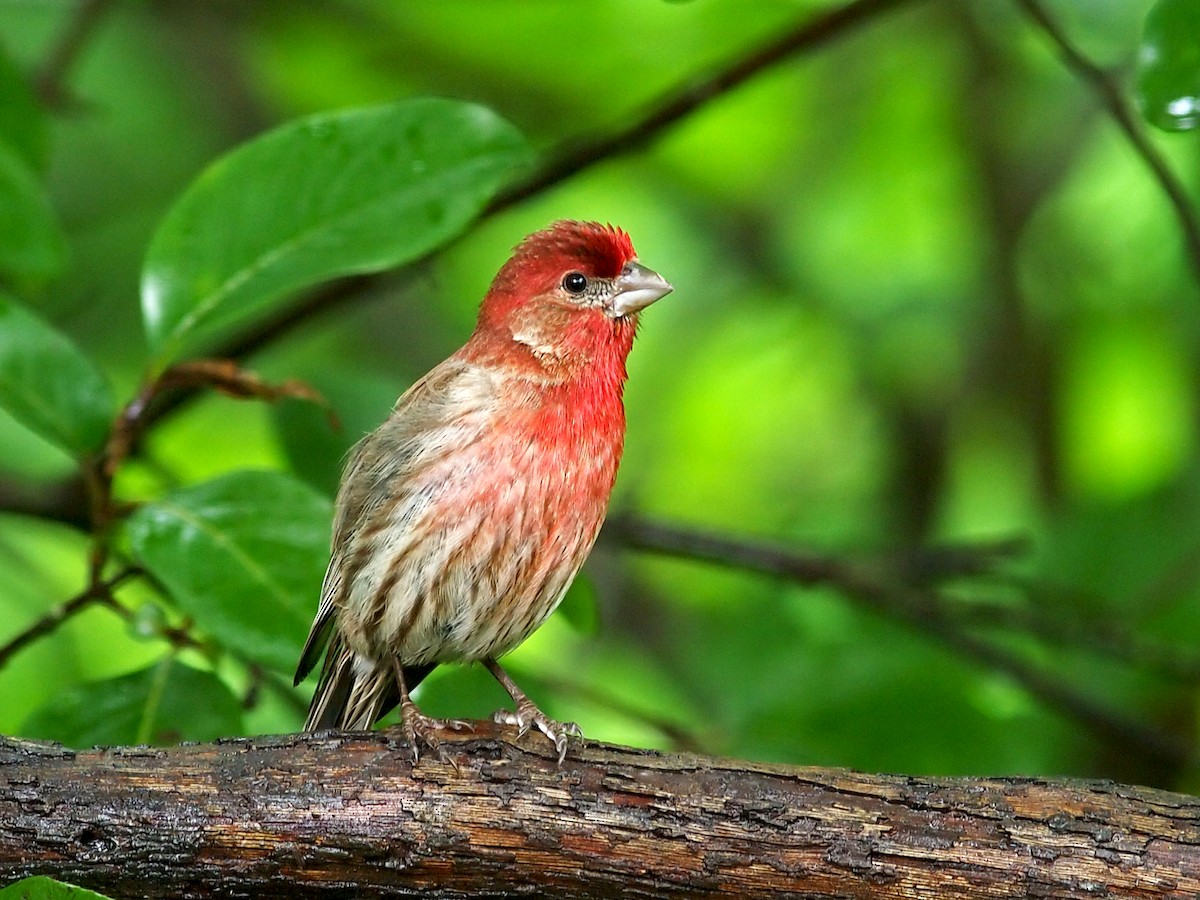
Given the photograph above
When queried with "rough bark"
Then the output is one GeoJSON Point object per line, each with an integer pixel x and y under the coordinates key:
{"type": "Point", "coordinates": [342, 815]}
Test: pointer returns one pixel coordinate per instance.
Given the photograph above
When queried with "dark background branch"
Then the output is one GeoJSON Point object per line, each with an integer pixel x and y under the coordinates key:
{"type": "Point", "coordinates": [101, 592]}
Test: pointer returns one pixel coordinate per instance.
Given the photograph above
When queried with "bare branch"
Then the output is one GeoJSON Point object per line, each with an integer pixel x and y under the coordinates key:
{"type": "Point", "coordinates": [223, 375]}
{"type": "Point", "coordinates": [1108, 638]}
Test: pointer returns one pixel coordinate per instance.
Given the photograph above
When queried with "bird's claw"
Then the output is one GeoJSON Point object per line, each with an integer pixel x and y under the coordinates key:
{"type": "Point", "coordinates": [422, 729]}
{"type": "Point", "coordinates": [528, 715]}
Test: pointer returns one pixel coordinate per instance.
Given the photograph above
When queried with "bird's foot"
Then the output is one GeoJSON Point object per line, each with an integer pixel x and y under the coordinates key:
{"type": "Point", "coordinates": [422, 729]}
{"type": "Point", "coordinates": [528, 715]}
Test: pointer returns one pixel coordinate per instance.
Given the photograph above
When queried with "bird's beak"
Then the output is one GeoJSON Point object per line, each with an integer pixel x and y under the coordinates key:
{"type": "Point", "coordinates": [637, 287]}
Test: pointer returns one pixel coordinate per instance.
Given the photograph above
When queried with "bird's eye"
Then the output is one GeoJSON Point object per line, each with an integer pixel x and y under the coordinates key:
{"type": "Point", "coordinates": [575, 282]}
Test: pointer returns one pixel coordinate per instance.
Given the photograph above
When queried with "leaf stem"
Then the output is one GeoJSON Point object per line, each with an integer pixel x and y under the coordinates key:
{"type": "Point", "coordinates": [95, 592]}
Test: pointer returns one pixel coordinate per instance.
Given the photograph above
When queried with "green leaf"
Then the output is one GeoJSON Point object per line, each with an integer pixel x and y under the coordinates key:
{"type": "Point", "coordinates": [31, 243]}
{"type": "Point", "coordinates": [39, 887]}
{"type": "Point", "coordinates": [1168, 71]}
{"type": "Point", "coordinates": [244, 556]}
{"type": "Point", "coordinates": [48, 385]}
{"type": "Point", "coordinates": [22, 125]}
{"type": "Point", "coordinates": [335, 194]}
{"type": "Point", "coordinates": [163, 704]}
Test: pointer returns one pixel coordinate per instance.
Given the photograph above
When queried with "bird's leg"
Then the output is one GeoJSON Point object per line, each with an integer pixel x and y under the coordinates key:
{"type": "Point", "coordinates": [419, 727]}
{"type": "Point", "coordinates": [528, 714]}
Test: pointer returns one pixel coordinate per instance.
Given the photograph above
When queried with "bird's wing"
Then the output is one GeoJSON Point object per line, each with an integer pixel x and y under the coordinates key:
{"type": "Point", "coordinates": [385, 458]}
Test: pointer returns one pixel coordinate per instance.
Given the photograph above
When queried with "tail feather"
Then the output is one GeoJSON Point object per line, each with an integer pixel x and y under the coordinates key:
{"type": "Point", "coordinates": [353, 697]}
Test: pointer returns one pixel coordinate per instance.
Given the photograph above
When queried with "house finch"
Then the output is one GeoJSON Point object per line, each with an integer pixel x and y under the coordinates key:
{"type": "Point", "coordinates": [462, 519]}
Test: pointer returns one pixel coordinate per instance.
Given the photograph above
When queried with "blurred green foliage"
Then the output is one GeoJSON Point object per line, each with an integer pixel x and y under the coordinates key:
{"type": "Point", "coordinates": [926, 295]}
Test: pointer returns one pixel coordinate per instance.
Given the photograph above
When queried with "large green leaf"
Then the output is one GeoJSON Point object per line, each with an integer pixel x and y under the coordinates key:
{"type": "Point", "coordinates": [22, 125]}
{"type": "Point", "coordinates": [39, 887]}
{"type": "Point", "coordinates": [31, 244]}
{"type": "Point", "coordinates": [334, 194]}
{"type": "Point", "coordinates": [48, 385]}
{"type": "Point", "coordinates": [163, 704]}
{"type": "Point", "coordinates": [244, 556]}
{"type": "Point", "coordinates": [1168, 73]}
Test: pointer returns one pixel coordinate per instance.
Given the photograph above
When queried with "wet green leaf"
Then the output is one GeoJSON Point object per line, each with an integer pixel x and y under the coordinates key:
{"type": "Point", "coordinates": [39, 887]}
{"type": "Point", "coordinates": [1168, 72]}
{"type": "Point", "coordinates": [243, 555]}
{"type": "Point", "coordinates": [335, 194]}
{"type": "Point", "coordinates": [162, 704]}
{"type": "Point", "coordinates": [48, 385]}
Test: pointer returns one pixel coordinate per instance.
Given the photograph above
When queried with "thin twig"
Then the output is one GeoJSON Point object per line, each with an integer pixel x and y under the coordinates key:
{"type": "Point", "coordinates": [1127, 120]}
{"type": "Point", "coordinates": [952, 560]}
{"type": "Point", "coordinates": [51, 80]}
{"type": "Point", "coordinates": [921, 609]}
{"type": "Point", "coordinates": [223, 375]}
{"type": "Point", "coordinates": [97, 592]}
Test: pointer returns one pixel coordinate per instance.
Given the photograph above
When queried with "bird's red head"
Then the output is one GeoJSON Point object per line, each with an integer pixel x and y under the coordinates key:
{"type": "Point", "coordinates": [568, 289]}
{"type": "Point", "coordinates": [541, 260]}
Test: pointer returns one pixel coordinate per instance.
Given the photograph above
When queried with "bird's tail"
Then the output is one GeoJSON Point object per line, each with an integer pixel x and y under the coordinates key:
{"type": "Point", "coordinates": [354, 692]}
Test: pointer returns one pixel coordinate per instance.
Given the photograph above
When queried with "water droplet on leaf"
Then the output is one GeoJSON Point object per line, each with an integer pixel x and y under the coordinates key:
{"type": "Point", "coordinates": [1168, 69]}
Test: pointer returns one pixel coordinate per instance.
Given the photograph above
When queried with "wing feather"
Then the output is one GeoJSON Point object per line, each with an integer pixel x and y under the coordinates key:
{"type": "Point", "coordinates": [379, 467]}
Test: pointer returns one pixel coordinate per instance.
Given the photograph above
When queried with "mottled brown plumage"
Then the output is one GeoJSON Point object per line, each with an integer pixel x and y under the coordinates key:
{"type": "Point", "coordinates": [461, 521]}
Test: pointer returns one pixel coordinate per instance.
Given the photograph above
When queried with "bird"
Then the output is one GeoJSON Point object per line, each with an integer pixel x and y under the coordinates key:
{"type": "Point", "coordinates": [461, 521]}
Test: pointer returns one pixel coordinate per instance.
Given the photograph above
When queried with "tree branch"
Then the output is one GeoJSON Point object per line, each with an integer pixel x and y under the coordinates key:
{"type": "Point", "coordinates": [348, 814]}
{"type": "Point", "coordinates": [1127, 120]}
{"type": "Point", "coordinates": [673, 108]}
